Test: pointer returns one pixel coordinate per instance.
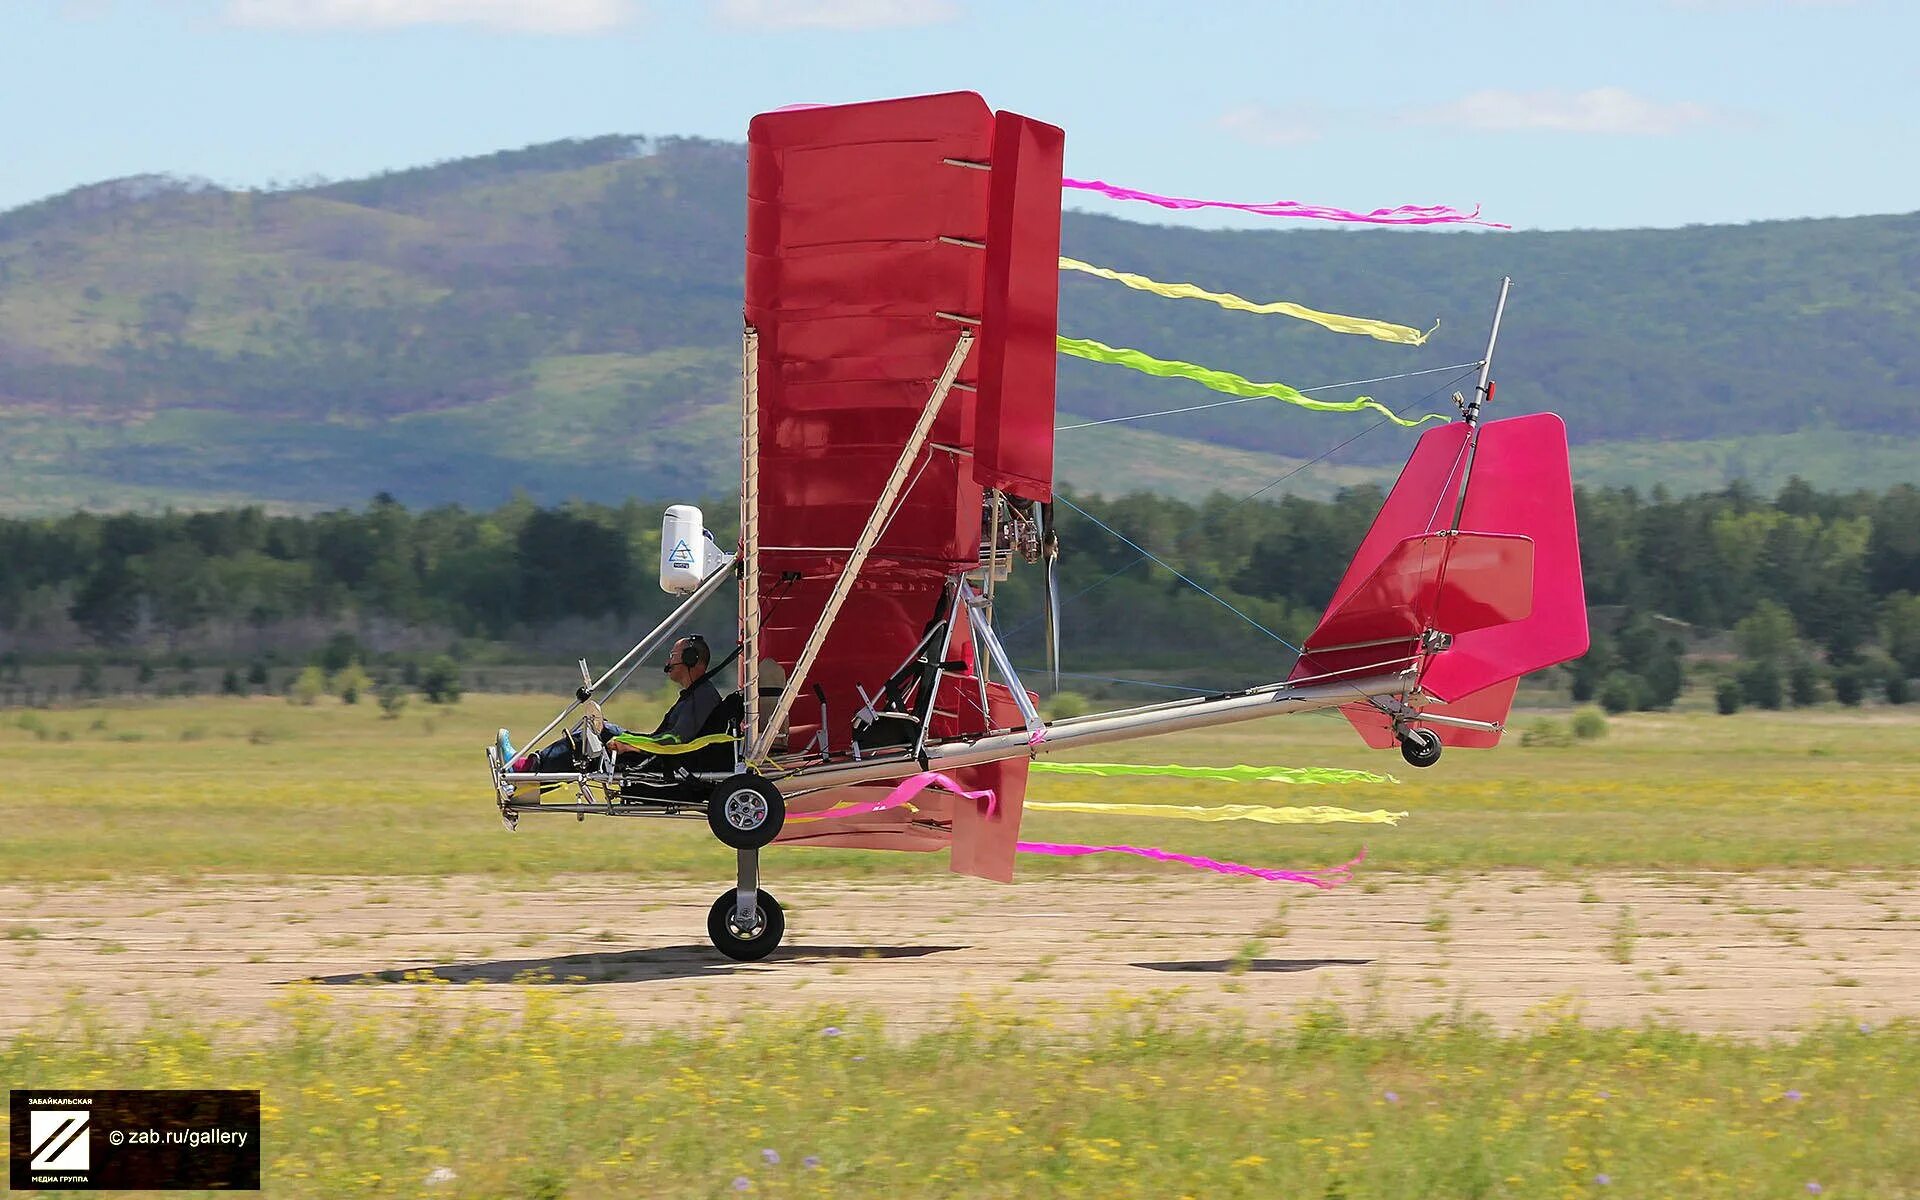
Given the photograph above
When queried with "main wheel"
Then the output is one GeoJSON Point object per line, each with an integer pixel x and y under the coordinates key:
{"type": "Point", "coordinates": [746, 812]}
{"type": "Point", "coordinates": [751, 943]}
{"type": "Point", "coordinates": [1421, 748]}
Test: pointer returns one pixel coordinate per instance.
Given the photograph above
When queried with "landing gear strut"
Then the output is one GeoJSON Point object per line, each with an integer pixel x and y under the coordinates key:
{"type": "Point", "coordinates": [748, 939]}
{"type": "Point", "coordinates": [1420, 747]}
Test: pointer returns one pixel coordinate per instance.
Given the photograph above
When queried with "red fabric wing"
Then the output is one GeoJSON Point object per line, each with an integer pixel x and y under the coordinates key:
{"type": "Point", "coordinates": [1022, 314]}
{"type": "Point", "coordinates": [864, 226]}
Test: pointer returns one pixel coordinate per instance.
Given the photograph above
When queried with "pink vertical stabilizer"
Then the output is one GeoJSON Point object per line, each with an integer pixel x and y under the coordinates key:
{"type": "Point", "coordinates": [1466, 609]}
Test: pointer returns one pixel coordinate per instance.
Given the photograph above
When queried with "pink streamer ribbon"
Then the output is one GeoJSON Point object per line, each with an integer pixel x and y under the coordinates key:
{"type": "Point", "coordinates": [902, 793]}
{"type": "Point", "coordinates": [1406, 214]}
{"type": "Point", "coordinates": [1326, 880]}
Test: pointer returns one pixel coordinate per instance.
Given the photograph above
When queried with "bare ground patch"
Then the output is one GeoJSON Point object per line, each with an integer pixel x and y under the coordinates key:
{"type": "Point", "coordinates": [1747, 953]}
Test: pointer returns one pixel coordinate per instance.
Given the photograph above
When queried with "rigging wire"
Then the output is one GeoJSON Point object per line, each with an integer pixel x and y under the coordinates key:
{"type": "Point", "coordinates": [1314, 461]}
{"type": "Point", "coordinates": [1146, 553]}
{"type": "Point", "coordinates": [1172, 687]}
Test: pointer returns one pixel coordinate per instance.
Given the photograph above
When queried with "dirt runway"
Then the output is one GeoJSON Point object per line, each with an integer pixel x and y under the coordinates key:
{"type": "Point", "coordinates": [1743, 953]}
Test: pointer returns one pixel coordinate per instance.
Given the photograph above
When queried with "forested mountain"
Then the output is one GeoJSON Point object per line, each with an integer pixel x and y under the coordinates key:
{"type": "Point", "coordinates": [564, 318]}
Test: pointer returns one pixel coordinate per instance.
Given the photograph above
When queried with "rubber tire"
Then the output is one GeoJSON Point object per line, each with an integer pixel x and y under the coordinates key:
{"type": "Point", "coordinates": [773, 927]}
{"type": "Point", "coordinates": [759, 835]}
{"type": "Point", "coordinates": [1421, 748]}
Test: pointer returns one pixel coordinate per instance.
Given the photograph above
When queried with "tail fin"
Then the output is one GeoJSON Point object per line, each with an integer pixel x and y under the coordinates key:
{"type": "Point", "coordinates": [1466, 607]}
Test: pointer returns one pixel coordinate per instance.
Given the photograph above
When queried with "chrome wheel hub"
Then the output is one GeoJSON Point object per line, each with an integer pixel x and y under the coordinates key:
{"type": "Point", "coordinates": [746, 809]}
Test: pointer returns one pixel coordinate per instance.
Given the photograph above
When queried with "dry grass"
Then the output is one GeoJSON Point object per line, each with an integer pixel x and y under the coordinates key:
{"type": "Point", "coordinates": [273, 788]}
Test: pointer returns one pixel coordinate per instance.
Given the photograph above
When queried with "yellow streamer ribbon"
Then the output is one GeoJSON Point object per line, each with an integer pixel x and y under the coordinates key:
{"type": "Point", "coordinates": [1318, 814]}
{"type": "Point", "coordinates": [1226, 381]}
{"type": "Point", "coordinates": [1240, 773]}
{"type": "Point", "coordinates": [635, 741]}
{"type": "Point", "coordinates": [1384, 331]}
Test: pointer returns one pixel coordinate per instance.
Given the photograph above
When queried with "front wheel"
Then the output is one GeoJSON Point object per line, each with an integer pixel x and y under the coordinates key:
{"type": "Point", "coordinates": [746, 812]}
{"type": "Point", "coordinates": [750, 941]}
{"type": "Point", "coordinates": [1420, 747]}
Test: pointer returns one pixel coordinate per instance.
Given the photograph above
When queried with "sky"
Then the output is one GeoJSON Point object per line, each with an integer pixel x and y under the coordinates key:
{"type": "Point", "coordinates": [1551, 115]}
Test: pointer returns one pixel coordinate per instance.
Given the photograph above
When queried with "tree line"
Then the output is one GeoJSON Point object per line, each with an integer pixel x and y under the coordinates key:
{"type": "Point", "coordinates": [1792, 598]}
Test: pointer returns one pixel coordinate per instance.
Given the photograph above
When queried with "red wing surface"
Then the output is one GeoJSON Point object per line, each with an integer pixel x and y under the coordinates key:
{"type": "Point", "coordinates": [876, 234]}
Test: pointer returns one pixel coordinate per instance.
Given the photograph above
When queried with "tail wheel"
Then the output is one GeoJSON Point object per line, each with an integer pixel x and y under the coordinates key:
{"type": "Point", "coordinates": [1420, 747]}
{"type": "Point", "coordinates": [746, 812]}
{"type": "Point", "coordinates": [750, 941]}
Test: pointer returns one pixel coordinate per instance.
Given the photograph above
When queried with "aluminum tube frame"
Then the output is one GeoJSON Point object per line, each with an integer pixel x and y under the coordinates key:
{"type": "Point", "coordinates": [750, 532]}
{"type": "Point", "coordinates": [1486, 362]}
{"type": "Point", "coordinates": [993, 563]}
{"type": "Point", "coordinates": [1396, 666]}
{"type": "Point", "coordinates": [664, 629]}
{"type": "Point", "coordinates": [746, 887]}
{"type": "Point", "coordinates": [670, 625]}
{"type": "Point", "coordinates": [980, 655]}
{"type": "Point", "coordinates": [573, 777]}
{"type": "Point", "coordinates": [616, 809]}
{"type": "Point", "coordinates": [863, 545]}
{"type": "Point", "coordinates": [1456, 722]}
{"type": "Point", "coordinates": [940, 671]}
{"type": "Point", "coordinates": [1471, 415]}
{"type": "Point", "coordinates": [1279, 700]}
{"type": "Point", "coordinates": [998, 655]}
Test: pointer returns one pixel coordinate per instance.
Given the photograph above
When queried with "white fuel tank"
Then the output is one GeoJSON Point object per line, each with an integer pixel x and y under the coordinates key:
{"type": "Point", "coordinates": [688, 553]}
{"type": "Point", "coordinates": [683, 549]}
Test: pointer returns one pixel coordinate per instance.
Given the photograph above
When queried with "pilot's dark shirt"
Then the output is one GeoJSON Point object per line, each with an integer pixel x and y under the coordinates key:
{"type": "Point", "coordinates": [691, 711]}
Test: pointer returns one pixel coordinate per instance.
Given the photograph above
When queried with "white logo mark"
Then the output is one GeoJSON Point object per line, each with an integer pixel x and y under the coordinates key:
{"type": "Point", "coordinates": [59, 1139]}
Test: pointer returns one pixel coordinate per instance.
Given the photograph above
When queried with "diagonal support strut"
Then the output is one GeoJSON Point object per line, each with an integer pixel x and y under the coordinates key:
{"type": "Point", "coordinates": [876, 522]}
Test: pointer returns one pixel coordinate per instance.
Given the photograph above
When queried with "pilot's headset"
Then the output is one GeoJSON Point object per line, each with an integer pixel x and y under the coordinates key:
{"type": "Point", "coordinates": [692, 653]}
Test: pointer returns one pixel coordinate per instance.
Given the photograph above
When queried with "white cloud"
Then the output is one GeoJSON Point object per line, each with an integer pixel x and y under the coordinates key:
{"type": "Point", "coordinates": [1757, 5]}
{"type": "Point", "coordinates": [835, 14]}
{"type": "Point", "coordinates": [1602, 110]}
{"type": "Point", "coordinates": [510, 16]}
{"type": "Point", "coordinates": [1265, 126]}
{"type": "Point", "coordinates": [1610, 110]}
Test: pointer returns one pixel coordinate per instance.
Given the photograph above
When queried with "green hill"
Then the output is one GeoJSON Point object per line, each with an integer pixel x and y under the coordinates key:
{"type": "Point", "coordinates": [563, 319]}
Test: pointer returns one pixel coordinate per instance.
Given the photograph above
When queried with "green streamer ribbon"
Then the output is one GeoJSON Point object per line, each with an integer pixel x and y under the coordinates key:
{"type": "Point", "coordinates": [1227, 381]}
{"type": "Point", "coordinates": [1266, 814]}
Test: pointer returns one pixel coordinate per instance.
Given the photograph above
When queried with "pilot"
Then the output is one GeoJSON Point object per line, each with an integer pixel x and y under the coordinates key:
{"type": "Point", "coordinates": [686, 666]}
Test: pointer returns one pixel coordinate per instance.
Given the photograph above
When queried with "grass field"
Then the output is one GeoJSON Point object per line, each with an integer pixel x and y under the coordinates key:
{"type": "Point", "coordinates": [263, 787]}
{"type": "Point", "coordinates": [424, 1093]}
{"type": "Point", "coordinates": [825, 1103]}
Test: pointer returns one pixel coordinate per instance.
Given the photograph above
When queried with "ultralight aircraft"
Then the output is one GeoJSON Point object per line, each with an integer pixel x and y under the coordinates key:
{"type": "Point", "coordinates": [897, 461]}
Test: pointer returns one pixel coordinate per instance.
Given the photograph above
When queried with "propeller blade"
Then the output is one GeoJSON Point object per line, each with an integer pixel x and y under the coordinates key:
{"type": "Point", "coordinates": [1053, 626]}
{"type": "Point", "coordinates": [1050, 587]}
